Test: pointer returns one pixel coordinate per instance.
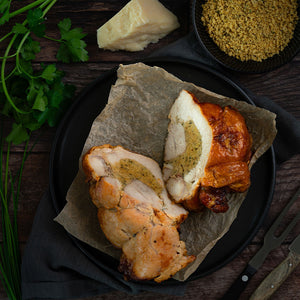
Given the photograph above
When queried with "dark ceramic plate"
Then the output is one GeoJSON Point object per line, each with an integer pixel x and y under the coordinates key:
{"type": "Point", "coordinates": [286, 55]}
{"type": "Point", "coordinates": [74, 129]}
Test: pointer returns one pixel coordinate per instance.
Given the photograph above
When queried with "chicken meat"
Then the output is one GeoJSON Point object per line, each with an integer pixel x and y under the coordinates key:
{"type": "Point", "coordinates": [135, 212]}
{"type": "Point", "coordinates": [207, 153]}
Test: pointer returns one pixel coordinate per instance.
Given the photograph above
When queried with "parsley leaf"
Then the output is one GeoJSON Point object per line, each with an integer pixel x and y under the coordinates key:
{"type": "Point", "coordinates": [41, 100]}
{"type": "Point", "coordinates": [30, 48]}
{"type": "Point", "coordinates": [64, 54]}
{"type": "Point", "coordinates": [35, 22]}
{"type": "Point", "coordinates": [26, 65]}
{"type": "Point", "coordinates": [59, 96]}
{"type": "Point", "coordinates": [75, 33]}
{"type": "Point", "coordinates": [49, 73]}
{"type": "Point", "coordinates": [72, 46]}
{"type": "Point", "coordinates": [18, 134]}
{"type": "Point", "coordinates": [20, 28]}
{"type": "Point", "coordinates": [64, 25]}
{"type": "Point", "coordinates": [4, 11]}
{"type": "Point", "coordinates": [76, 47]}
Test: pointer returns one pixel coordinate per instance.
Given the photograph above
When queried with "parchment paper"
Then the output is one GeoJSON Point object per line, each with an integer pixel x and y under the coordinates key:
{"type": "Point", "coordinates": [136, 117]}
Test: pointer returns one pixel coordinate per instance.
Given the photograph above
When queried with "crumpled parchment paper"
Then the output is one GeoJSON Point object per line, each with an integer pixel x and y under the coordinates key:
{"type": "Point", "coordinates": [136, 117]}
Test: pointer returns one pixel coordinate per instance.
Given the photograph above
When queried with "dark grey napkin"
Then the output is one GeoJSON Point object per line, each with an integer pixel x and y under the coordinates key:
{"type": "Point", "coordinates": [54, 268]}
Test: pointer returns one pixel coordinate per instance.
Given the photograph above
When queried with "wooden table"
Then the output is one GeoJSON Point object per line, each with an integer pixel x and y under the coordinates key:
{"type": "Point", "coordinates": [281, 85]}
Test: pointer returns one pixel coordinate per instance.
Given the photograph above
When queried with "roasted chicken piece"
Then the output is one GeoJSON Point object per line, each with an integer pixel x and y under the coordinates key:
{"type": "Point", "coordinates": [135, 212]}
{"type": "Point", "coordinates": [207, 153]}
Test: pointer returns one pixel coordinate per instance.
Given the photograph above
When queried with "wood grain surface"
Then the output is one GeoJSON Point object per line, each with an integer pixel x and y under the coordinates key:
{"type": "Point", "coordinates": [281, 85]}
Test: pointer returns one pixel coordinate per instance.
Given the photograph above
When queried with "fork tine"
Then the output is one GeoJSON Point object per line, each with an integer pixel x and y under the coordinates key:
{"type": "Point", "coordinates": [271, 231]}
{"type": "Point", "coordinates": [289, 228]}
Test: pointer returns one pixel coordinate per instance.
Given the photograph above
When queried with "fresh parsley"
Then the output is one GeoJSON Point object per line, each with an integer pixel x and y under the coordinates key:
{"type": "Point", "coordinates": [31, 96]}
{"type": "Point", "coordinates": [36, 96]}
{"type": "Point", "coordinates": [72, 46]}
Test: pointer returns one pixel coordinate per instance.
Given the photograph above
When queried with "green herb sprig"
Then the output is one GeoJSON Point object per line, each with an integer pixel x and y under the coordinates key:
{"type": "Point", "coordinates": [31, 95]}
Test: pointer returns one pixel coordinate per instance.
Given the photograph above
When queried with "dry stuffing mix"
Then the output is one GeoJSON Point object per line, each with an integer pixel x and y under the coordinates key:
{"type": "Point", "coordinates": [250, 29]}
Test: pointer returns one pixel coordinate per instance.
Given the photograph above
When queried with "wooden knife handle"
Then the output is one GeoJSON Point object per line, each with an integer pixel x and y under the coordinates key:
{"type": "Point", "coordinates": [273, 281]}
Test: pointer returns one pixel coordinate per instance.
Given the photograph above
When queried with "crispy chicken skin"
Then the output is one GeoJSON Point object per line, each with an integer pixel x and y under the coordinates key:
{"type": "Point", "coordinates": [214, 199]}
{"type": "Point", "coordinates": [227, 166]}
{"type": "Point", "coordinates": [221, 163]}
{"type": "Point", "coordinates": [135, 213]}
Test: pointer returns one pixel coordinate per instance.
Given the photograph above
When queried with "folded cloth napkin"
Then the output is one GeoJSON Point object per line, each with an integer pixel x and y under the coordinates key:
{"type": "Point", "coordinates": [54, 268]}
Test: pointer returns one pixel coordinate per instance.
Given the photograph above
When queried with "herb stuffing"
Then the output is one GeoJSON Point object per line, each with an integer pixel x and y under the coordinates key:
{"type": "Point", "coordinates": [127, 170]}
{"type": "Point", "coordinates": [185, 162]}
{"type": "Point", "coordinates": [31, 95]}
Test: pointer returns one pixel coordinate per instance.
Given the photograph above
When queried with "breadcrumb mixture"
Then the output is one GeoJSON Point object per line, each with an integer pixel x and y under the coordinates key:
{"type": "Point", "coordinates": [250, 29]}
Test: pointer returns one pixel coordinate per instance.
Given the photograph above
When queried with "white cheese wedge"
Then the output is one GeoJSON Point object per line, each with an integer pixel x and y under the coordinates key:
{"type": "Point", "coordinates": [137, 24]}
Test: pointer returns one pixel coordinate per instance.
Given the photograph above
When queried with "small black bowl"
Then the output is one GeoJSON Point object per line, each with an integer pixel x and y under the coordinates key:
{"type": "Point", "coordinates": [232, 63]}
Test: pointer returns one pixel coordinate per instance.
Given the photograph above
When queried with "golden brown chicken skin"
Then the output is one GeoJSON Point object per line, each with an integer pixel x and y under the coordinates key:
{"type": "Point", "coordinates": [227, 167]}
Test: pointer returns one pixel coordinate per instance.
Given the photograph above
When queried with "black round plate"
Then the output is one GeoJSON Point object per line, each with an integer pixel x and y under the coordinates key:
{"type": "Point", "coordinates": [75, 127]}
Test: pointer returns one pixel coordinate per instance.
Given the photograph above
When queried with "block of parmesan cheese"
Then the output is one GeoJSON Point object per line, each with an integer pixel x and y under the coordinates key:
{"type": "Point", "coordinates": [137, 24]}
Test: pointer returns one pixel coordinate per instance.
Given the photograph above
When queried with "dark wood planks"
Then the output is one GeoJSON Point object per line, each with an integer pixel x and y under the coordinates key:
{"type": "Point", "coordinates": [281, 85]}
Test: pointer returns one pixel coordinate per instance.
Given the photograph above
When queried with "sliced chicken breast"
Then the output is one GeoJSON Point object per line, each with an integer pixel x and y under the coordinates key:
{"type": "Point", "coordinates": [133, 207]}
{"type": "Point", "coordinates": [206, 146]}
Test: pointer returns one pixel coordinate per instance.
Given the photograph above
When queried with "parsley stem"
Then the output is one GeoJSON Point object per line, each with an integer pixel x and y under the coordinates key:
{"type": "Point", "coordinates": [3, 76]}
{"type": "Point", "coordinates": [9, 56]}
{"type": "Point", "coordinates": [6, 36]}
{"type": "Point", "coordinates": [18, 65]}
{"type": "Point", "coordinates": [19, 176]}
{"type": "Point", "coordinates": [49, 7]}
{"type": "Point", "coordinates": [10, 251]}
{"type": "Point", "coordinates": [9, 242]}
{"type": "Point", "coordinates": [52, 39]}
{"type": "Point", "coordinates": [25, 8]}
{"type": "Point", "coordinates": [5, 281]}
{"type": "Point", "coordinates": [6, 171]}
{"type": "Point", "coordinates": [10, 74]}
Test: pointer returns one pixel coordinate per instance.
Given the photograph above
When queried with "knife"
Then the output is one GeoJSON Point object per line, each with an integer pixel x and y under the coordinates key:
{"type": "Point", "coordinates": [272, 282]}
{"type": "Point", "coordinates": [270, 242]}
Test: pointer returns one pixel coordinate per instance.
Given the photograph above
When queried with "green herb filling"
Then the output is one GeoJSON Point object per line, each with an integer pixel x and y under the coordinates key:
{"type": "Point", "coordinates": [127, 170]}
{"type": "Point", "coordinates": [185, 162]}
